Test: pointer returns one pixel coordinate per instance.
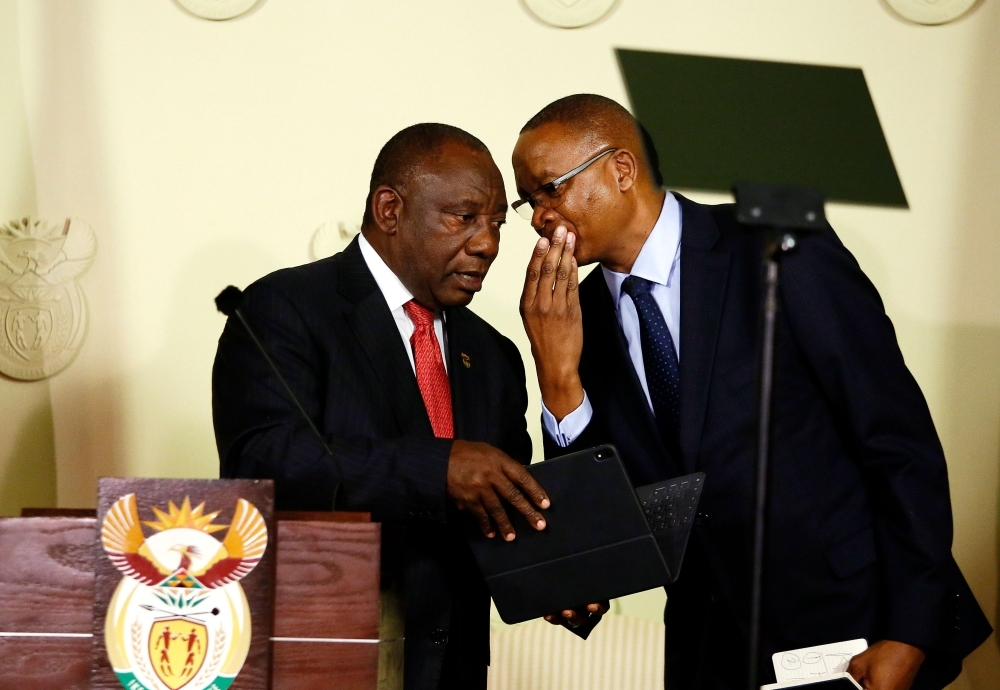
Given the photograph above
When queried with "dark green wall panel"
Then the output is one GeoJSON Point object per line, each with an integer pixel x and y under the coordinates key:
{"type": "Point", "coordinates": [716, 121]}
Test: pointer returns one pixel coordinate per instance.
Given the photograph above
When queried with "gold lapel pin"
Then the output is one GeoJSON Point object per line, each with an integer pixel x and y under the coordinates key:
{"type": "Point", "coordinates": [466, 361]}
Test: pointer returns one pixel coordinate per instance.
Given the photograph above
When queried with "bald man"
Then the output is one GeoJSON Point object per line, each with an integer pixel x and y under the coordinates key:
{"type": "Point", "coordinates": [421, 401]}
{"type": "Point", "coordinates": [656, 352]}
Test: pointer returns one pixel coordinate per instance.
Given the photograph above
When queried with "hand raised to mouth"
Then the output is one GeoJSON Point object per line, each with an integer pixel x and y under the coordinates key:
{"type": "Point", "coordinates": [550, 311]}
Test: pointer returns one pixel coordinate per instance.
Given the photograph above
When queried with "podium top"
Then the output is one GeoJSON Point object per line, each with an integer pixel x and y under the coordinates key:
{"type": "Point", "coordinates": [279, 515]}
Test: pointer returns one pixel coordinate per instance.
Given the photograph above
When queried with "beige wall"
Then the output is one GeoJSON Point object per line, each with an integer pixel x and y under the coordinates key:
{"type": "Point", "coordinates": [27, 455]}
{"type": "Point", "coordinates": [206, 153]}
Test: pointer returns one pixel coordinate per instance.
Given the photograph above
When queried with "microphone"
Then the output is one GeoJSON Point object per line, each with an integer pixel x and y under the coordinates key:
{"type": "Point", "coordinates": [228, 302]}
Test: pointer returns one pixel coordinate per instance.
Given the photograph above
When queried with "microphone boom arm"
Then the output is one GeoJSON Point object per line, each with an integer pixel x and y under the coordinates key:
{"type": "Point", "coordinates": [227, 302]}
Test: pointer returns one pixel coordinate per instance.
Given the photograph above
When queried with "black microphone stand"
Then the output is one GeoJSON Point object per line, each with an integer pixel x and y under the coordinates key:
{"type": "Point", "coordinates": [228, 302]}
{"type": "Point", "coordinates": [784, 213]}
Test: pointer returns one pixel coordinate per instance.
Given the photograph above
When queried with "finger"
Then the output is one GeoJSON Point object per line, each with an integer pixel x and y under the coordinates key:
{"type": "Point", "coordinates": [483, 520]}
{"type": "Point", "coordinates": [859, 670]}
{"type": "Point", "coordinates": [533, 272]}
{"type": "Point", "coordinates": [549, 266]}
{"type": "Point", "coordinates": [520, 503]}
{"type": "Point", "coordinates": [564, 270]}
{"type": "Point", "coordinates": [499, 515]}
{"type": "Point", "coordinates": [573, 618]}
{"type": "Point", "coordinates": [573, 284]}
{"type": "Point", "coordinates": [522, 478]}
{"type": "Point", "coordinates": [599, 608]}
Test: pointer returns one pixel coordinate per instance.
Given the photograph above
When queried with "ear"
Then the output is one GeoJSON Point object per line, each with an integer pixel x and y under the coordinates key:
{"type": "Point", "coordinates": [387, 205]}
{"type": "Point", "coordinates": [626, 169]}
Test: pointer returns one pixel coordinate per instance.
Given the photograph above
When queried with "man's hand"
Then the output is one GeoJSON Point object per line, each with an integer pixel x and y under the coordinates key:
{"type": "Point", "coordinates": [479, 475]}
{"type": "Point", "coordinates": [575, 619]}
{"type": "Point", "coordinates": [886, 665]}
{"type": "Point", "coordinates": [550, 310]}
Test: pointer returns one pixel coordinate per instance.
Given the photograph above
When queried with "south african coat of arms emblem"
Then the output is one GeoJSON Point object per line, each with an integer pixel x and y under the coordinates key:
{"type": "Point", "coordinates": [43, 313]}
{"type": "Point", "coordinates": [179, 618]}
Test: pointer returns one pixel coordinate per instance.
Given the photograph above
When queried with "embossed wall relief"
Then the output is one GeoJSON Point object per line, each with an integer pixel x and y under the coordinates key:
{"type": "Point", "coordinates": [932, 12]}
{"type": "Point", "coordinates": [217, 10]}
{"type": "Point", "coordinates": [569, 14]}
{"type": "Point", "coordinates": [331, 237]}
{"type": "Point", "coordinates": [43, 312]}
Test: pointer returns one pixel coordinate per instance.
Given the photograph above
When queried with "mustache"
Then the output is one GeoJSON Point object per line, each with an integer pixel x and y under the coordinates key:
{"type": "Point", "coordinates": [478, 269]}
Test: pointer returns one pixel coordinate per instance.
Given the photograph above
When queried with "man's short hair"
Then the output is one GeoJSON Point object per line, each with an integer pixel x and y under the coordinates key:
{"type": "Point", "coordinates": [581, 110]}
{"type": "Point", "coordinates": [589, 112]}
{"type": "Point", "coordinates": [407, 150]}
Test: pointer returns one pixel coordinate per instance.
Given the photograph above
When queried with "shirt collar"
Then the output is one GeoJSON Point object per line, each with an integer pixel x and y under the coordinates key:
{"type": "Point", "coordinates": [658, 255]}
{"type": "Point", "coordinates": [393, 290]}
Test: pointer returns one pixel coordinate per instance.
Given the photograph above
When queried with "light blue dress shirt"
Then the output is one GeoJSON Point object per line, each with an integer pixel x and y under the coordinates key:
{"type": "Point", "coordinates": [659, 261]}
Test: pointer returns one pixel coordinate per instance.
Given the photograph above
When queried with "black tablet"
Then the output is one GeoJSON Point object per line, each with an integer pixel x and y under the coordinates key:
{"type": "Point", "coordinates": [597, 544]}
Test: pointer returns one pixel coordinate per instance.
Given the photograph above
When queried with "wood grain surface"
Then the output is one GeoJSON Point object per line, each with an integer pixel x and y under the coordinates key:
{"type": "Point", "coordinates": [59, 512]}
{"type": "Point", "coordinates": [328, 580]}
{"type": "Point", "coordinates": [46, 663]}
{"type": "Point", "coordinates": [327, 588]}
{"type": "Point", "coordinates": [218, 494]}
{"type": "Point", "coordinates": [46, 586]}
{"type": "Point", "coordinates": [325, 666]}
{"type": "Point", "coordinates": [327, 575]}
{"type": "Point", "coordinates": [321, 516]}
{"type": "Point", "coordinates": [46, 574]}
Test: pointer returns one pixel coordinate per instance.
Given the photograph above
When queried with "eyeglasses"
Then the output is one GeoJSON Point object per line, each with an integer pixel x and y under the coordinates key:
{"type": "Point", "coordinates": [526, 207]}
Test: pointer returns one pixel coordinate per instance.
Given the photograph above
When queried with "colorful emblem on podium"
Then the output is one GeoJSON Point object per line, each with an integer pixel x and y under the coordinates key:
{"type": "Point", "coordinates": [179, 618]}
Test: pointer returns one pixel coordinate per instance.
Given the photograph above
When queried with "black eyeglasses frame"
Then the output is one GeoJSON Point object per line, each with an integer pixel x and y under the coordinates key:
{"type": "Point", "coordinates": [549, 188]}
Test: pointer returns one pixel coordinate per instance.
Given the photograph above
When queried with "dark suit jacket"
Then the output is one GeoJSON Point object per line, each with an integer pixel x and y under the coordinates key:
{"type": "Point", "coordinates": [860, 528]}
{"type": "Point", "coordinates": [331, 334]}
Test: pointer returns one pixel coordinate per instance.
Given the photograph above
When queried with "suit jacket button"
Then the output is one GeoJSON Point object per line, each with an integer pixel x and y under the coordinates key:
{"type": "Point", "coordinates": [439, 636]}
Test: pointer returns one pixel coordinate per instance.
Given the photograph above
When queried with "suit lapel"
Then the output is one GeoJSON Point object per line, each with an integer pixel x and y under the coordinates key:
{"type": "Point", "coordinates": [704, 274]}
{"type": "Point", "coordinates": [373, 326]}
{"type": "Point", "coordinates": [467, 386]}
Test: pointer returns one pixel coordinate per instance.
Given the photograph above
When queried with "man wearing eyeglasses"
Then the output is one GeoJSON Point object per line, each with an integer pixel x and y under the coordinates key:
{"type": "Point", "coordinates": [656, 352]}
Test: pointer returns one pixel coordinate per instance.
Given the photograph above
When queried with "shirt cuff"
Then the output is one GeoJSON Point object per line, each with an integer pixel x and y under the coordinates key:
{"type": "Point", "coordinates": [572, 425]}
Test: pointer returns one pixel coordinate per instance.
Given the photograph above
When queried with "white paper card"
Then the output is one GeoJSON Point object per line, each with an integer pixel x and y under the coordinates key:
{"type": "Point", "coordinates": [820, 661]}
{"type": "Point", "coordinates": [846, 681]}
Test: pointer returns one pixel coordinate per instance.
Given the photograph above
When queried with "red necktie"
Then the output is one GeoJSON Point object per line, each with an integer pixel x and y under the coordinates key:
{"type": "Point", "coordinates": [432, 378]}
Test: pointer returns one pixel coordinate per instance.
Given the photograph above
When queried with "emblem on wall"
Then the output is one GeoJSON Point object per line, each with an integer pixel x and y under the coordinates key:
{"type": "Point", "coordinates": [331, 237]}
{"type": "Point", "coordinates": [931, 11]}
{"type": "Point", "coordinates": [179, 618]}
{"type": "Point", "coordinates": [43, 313]}
{"type": "Point", "coordinates": [217, 10]}
{"type": "Point", "coordinates": [569, 14]}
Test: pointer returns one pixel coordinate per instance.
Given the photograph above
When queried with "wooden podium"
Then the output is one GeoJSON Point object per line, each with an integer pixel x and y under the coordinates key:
{"type": "Point", "coordinates": [333, 627]}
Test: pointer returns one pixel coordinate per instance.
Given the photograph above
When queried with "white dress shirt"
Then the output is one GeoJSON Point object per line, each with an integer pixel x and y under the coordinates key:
{"type": "Point", "coordinates": [659, 261]}
{"type": "Point", "coordinates": [396, 295]}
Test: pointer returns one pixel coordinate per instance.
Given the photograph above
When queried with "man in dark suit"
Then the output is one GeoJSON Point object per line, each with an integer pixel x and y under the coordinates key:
{"type": "Point", "coordinates": [657, 352]}
{"type": "Point", "coordinates": [420, 400]}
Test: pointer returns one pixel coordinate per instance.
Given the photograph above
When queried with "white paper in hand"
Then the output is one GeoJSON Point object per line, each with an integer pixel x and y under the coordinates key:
{"type": "Point", "coordinates": [823, 660]}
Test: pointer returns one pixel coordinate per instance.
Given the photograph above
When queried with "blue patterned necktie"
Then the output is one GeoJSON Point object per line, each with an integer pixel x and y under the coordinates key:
{"type": "Point", "coordinates": [659, 359]}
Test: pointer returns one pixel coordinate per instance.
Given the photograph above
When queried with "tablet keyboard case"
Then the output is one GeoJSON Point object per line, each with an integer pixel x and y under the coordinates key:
{"type": "Point", "coordinates": [596, 545]}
